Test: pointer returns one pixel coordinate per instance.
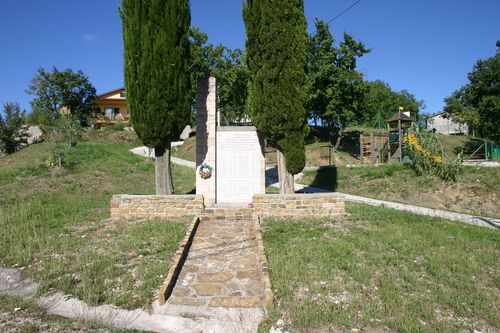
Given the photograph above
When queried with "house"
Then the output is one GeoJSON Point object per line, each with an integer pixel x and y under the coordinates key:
{"type": "Point", "coordinates": [443, 123]}
{"type": "Point", "coordinates": [112, 107]}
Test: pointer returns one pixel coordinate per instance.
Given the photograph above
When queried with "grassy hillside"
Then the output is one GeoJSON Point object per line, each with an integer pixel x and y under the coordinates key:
{"type": "Point", "coordinates": [186, 151]}
{"type": "Point", "coordinates": [477, 190]}
{"type": "Point", "coordinates": [383, 271]}
{"type": "Point", "coordinates": [54, 224]}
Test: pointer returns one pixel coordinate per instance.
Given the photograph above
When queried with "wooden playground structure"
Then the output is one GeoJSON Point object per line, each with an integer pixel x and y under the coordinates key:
{"type": "Point", "coordinates": [383, 147]}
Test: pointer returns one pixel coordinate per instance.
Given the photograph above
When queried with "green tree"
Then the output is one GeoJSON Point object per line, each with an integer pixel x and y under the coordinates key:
{"type": "Point", "coordinates": [458, 104]}
{"type": "Point", "coordinates": [232, 77]}
{"type": "Point", "coordinates": [200, 63]}
{"type": "Point", "coordinates": [157, 75]}
{"type": "Point", "coordinates": [478, 102]}
{"type": "Point", "coordinates": [13, 133]}
{"type": "Point", "coordinates": [383, 102]}
{"type": "Point", "coordinates": [338, 92]}
{"type": "Point", "coordinates": [228, 67]}
{"type": "Point", "coordinates": [55, 89]}
{"type": "Point", "coordinates": [276, 49]}
{"type": "Point", "coordinates": [410, 103]}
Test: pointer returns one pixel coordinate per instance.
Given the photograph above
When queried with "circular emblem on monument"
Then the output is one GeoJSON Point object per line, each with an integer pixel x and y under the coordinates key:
{"type": "Point", "coordinates": [205, 171]}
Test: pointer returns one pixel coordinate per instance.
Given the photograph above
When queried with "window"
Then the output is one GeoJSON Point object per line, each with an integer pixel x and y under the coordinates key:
{"type": "Point", "coordinates": [111, 112]}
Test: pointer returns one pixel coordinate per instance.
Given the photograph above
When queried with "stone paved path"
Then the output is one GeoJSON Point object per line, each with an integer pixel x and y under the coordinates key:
{"type": "Point", "coordinates": [221, 278]}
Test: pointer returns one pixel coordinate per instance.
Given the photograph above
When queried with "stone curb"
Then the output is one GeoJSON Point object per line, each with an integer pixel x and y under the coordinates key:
{"type": "Point", "coordinates": [464, 218]}
{"type": "Point", "coordinates": [268, 301]}
{"type": "Point", "coordinates": [479, 221]}
{"type": "Point", "coordinates": [177, 262]}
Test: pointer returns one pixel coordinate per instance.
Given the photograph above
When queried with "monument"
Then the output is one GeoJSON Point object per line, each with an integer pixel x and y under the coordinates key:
{"type": "Point", "coordinates": [230, 164]}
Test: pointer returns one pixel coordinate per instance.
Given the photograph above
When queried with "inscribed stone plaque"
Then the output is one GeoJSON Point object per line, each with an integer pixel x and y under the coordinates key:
{"type": "Point", "coordinates": [240, 165]}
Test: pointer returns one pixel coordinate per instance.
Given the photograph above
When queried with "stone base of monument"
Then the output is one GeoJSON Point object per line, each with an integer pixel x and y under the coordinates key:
{"type": "Point", "coordinates": [221, 262]}
{"type": "Point", "coordinates": [321, 205]}
{"type": "Point", "coordinates": [156, 206]}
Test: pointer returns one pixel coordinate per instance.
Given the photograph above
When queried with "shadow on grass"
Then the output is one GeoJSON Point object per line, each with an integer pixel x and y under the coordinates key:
{"type": "Point", "coordinates": [326, 178]}
{"type": "Point", "coordinates": [350, 143]}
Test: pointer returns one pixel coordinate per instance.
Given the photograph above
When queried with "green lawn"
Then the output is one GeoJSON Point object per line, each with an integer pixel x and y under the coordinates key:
{"type": "Point", "coordinates": [187, 150]}
{"type": "Point", "coordinates": [383, 270]}
{"type": "Point", "coordinates": [477, 190]}
{"type": "Point", "coordinates": [56, 226]}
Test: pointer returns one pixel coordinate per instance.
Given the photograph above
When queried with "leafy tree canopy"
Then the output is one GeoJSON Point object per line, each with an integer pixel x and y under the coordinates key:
{"type": "Point", "coordinates": [383, 102]}
{"type": "Point", "coordinates": [55, 89]}
{"type": "Point", "coordinates": [229, 68]}
{"type": "Point", "coordinates": [157, 67]}
{"type": "Point", "coordinates": [478, 102]}
{"type": "Point", "coordinates": [276, 57]}
{"type": "Point", "coordinates": [337, 94]}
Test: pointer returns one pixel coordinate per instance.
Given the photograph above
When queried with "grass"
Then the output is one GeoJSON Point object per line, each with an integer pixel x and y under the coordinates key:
{"type": "Point", "coordinates": [187, 151]}
{"type": "Point", "coordinates": [383, 269]}
{"type": "Point", "coordinates": [477, 190]}
{"type": "Point", "coordinates": [55, 224]}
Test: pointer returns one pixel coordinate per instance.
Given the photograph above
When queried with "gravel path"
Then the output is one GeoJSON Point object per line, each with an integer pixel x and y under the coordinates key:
{"type": "Point", "coordinates": [148, 152]}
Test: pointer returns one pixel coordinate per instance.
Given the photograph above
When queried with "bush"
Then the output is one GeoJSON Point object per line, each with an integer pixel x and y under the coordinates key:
{"type": "Point", "coordinates": [65, 131]}
{"type": "Point", "coordinates": [118, 127]}
{"type": "Point", "coordinates": [40, 117]}
{"type": "Point", "coordinates": [428, 157]}
{"type": "Point", "coordinates": [13, 133]}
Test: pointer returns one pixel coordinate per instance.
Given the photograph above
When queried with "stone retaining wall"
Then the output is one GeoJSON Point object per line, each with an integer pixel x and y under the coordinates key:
{"type": "Point", "coordinates": [299, 205]}
{"type": "Point", "coordinates": [156, 206]}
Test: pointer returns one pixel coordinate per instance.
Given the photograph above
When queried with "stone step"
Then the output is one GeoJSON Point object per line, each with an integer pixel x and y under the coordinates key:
{"type": "Point", "coordinates": [227, 214]}
{"type": "Point", "coordinates": [227, 210]}
{"type": "Point", "coordinates": [225, 219]}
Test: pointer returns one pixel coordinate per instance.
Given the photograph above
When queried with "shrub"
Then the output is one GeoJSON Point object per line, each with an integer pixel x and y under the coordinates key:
{"type": "Point", "coordinates": [40, 117]}
{"type": "Point", "coordinates": [65, 131]}
{"type": "Point", "coordinates": [13, 133]}
{"type": "Point", "coordinates": [118, 127]}
{"type": "Point", "coordinates": [428, 157]}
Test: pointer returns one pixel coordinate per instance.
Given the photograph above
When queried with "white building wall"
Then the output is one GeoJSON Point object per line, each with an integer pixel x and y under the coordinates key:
{"type": "Point", "coordinates": [445, 125]}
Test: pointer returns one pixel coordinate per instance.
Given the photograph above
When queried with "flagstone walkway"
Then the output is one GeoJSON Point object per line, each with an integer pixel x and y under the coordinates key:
{"type": "Point", "coordinates": [222, 275]}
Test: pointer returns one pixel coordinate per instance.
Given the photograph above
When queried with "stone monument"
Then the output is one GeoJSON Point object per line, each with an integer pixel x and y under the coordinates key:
{"type": "Point", "coordinates": [230, 164]}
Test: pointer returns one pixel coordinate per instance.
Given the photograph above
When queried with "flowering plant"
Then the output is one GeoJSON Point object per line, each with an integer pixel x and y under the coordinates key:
{"type": "Point", "coordinates": [428, 156]}
{"type": "Point", "coordinates": [205, 171]}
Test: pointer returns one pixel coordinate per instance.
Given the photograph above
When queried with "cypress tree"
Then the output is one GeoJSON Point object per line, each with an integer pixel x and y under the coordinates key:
{"type": "Point", "coordinates": [276, 56]}
{"type": "Point", "coordinates": [157, 78]}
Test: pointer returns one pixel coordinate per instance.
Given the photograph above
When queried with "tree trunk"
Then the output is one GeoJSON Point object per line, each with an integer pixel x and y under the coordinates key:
{"type": "Point", "coordinates": [339, 138]}
{"type": "Point", "coordinates": [163, 171]}
{"type": "Point", "coordinates": [285, 178]}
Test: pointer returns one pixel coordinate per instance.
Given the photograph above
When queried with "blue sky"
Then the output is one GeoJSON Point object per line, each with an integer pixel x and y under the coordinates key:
{"type": "Point", "coordinates": [426, 47]}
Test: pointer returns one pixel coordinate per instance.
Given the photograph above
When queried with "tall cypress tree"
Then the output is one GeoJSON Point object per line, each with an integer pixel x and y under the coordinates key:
{"type": "Point", "coordinates": [157, 78]}
{"type": "Point", "coordinates": [276, 57]}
